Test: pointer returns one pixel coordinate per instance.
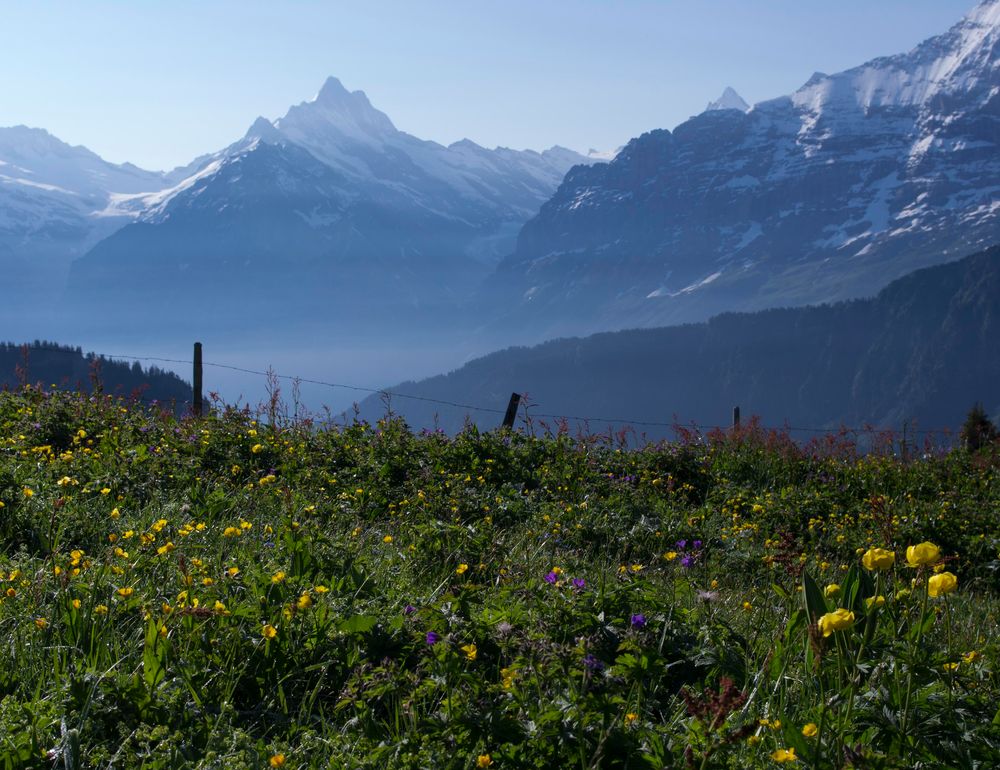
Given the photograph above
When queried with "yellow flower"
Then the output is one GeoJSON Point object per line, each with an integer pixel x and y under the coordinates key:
{"type": "Point", "coordinates": [115, 513]}
{"type": "Point", "coordinates": [874, 601]}
{"type": "Point", "coordinates": [165, 548]}
{"type": "Point", "coordinates": [878, 559]}
{"type": "Point", "coordinates": [257, 449]}
{"type": "Point", "coordinates": [125, 593]}
{"type": "Point", "coordinates": [484, 760]}
{"type": "Point", "coordinates": [233, 571]}
{"type": "Point", "coordinates": [922, 555]}
{"type": "Point", "coordinates": [41, 622]}
{"type": "Point", "coordinates": [278, 577]}
{"type": "Point", "coordinates": [76, 604]}
{"type": "Point", "coordinates": [27, 491]}
{"type": "Point", "coordinates": [950, 666]}
{"type": "Point", "coordinates": [321, 589]}
{"type": "Point", "coordinates": [101, 609]}
{"type": "Point", "coordinates": [305, 602]}
{"type": "Point", "coordinates": [269, 631]}
{"type": "Point", "coordinates": [278, 760]}
{"type": "Point", "coordinates": [941, 584]}
{"type": "Point", "coordinates": [105, 491]}
{"type": "Point", "coordinates": [838, 620]}
{"type": "Point", "coordinates": [831, 591]}
{"type": "Point", "coordinates": [970, 657]}
{"type": "Point", "coordinates": [747, 606]}
{"type": "Point", "coordinates": [784, 755]}
{"type": "Point", "coordinates": [470, 651]}
{"type": "Point", "coordinates": [631, 718]}
{"type": "Point", "coordinates": [753, 740]}
{"type": "Point", "coordinates": [810, 730]}
{"type": "Point", "coordinates": [461, 568]}
{"type": "Point", "coordinates": [670, 555]}
{"type": "Point", "coordinates": [231, 532]}
{"type": "Point", "coordinates": [387, 539]}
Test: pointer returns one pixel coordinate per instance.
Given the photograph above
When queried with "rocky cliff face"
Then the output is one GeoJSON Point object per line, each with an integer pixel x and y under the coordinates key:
{"type": "Point", "coordinates": [830, 193]}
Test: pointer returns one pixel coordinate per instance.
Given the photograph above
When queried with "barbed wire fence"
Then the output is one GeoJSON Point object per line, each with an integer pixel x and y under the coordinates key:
{"type": "Point", "coordinates": [509, 414]}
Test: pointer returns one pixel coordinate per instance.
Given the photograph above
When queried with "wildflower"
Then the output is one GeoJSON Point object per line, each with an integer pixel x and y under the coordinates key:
{"type": "Point", "coordinates": [165, 548]}
{"type": "Point", "coordinates": [470, 651]}
{"type": "Point", "coordinates": [233, 571]}
{"type": "Point", "coordinates": [432, 638]}
{"type": "Point", "coordinates": [923, 554]}
{"type": "Point", "coordinates": [321, 589]}
{"type": "Point", "coordinates": [551, 577]}
{"type": "Point", "coordinates": [101, 609]}
{"type": "Point", "coordinates": [76, 604]}
{"type": "Point", "coordinates": [257, 448]}
{"type": "Point", "coordinates": [579, 583]}
{"type": "Point", "coordinates": [631, 718]}
{"type": "Point", "coordinates": [387, 539]}
{"type": "Point", "coordinates": [670, 555]}
{"type": "Point", "coordinates": [941, 584]}
{"type": "Point", "coordinates": [105, 491]}
{"type": "Point", "coordinates": [638, 620]}
{"type": "Point", "coordinates": [950, 666]}
{"type": "Point", "coordinates": [269, 631]}
{"type": "Point", "coordinates": [305, 602]}
{"type": "Point", "coordinates": [28, 492]}
{"type": "Point", "coordinates": [753, 740]}
{"type": "Point", "coordinates": [971, 657]}
{"type": "Point", "coordinates": [784, 755]}
{"type": "Point", "coordinates": [115, 513]}
{"type": "Point", "coordinates": [747, 606]}
{"type": "Point", "coordinates": [838, 620]}
{"type": "Point", "coordinates": [461, 569]}
{"type": "Point", "coordinates": [278, 577]}
{"type": "Point", "coordinates": [831, 591]}
{"type": "Point", "coordinates": [878, 559]}
{"type": "Point", "coordinates": [126, 592]}
{"type": "Point", "coordinates": [874, 601]}
{"type": "Point", "coordinates": [593, 664]}
{"type": "Point", "coordinates": [41, 622]}
{"type": "Point", "coordinates": [483, 760]}
{"type": "Point", "coordinates": [810, 730]}
{"type": "Point", "coordinates": [278, 760]}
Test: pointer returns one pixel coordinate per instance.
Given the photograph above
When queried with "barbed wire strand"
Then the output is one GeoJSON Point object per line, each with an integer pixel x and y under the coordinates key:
{"type": "Point", "coordinates": [472, 407]}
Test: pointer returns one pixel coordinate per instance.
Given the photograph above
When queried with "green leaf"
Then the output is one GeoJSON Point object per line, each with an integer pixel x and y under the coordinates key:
{"type": "Point", "coordinates": [815, 604]}
{"type": "Point", "coordinates": [358, 624]}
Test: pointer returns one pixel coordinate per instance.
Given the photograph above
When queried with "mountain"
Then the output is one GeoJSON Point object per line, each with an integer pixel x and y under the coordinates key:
{"type": "Point", "coordinates": [730, 100]}
{"type": "Point", "coordinates": [328, 212]}
{"type": "Point", "coordinates": [54, 206]}
{"type": "Point", "coordinates": [925, 349]}
{"type": "Point", "coordinates": [853, 180]}
{"type": "Point", "coordinates": [51, 365]}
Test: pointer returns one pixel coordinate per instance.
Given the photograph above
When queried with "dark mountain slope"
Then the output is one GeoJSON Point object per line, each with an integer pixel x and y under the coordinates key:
{"type": "Point", "coordinates": [925, 349]}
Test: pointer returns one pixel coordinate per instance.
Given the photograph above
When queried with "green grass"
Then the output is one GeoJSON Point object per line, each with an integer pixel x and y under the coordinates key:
{"type": "Point", "coordinates": [223, 593]}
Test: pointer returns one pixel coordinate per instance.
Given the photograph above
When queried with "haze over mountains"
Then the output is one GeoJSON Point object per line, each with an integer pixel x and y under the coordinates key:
{"type": "Point", "coordinates": [330, 225]}
{"type": "Point", "coordinates": [923, 351]}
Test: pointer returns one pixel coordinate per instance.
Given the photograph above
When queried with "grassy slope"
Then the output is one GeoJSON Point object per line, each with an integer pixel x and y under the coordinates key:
{"type": "Point", "coordinates": [220, 593]}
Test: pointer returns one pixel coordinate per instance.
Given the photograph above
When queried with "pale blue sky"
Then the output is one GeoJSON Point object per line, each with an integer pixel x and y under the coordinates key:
{"type": "Point", "coordinates": [158, 82]}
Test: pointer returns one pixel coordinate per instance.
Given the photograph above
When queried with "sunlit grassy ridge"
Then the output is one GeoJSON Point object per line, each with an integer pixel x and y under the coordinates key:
{"type": "Point", "coordinates": [225, 593]}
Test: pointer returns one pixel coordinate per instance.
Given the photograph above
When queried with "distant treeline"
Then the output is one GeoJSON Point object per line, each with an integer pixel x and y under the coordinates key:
{"type": "Point", "coordinates": [49, 364]}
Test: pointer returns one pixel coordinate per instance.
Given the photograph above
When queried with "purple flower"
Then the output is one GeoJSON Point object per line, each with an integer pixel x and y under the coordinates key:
{"type": "Point", "coordinates": [579, 583]}
{"type": "Point", "coordinates": [687, 562]}
{"type": "Point", "coordinates": [638, 620]}
{"type": "Point", "coordinates": [432, 638]}
{"type": "Point", "coordinates": [593, 664]}
{"type": "Point", "coordinates": [681, 544]}
{"type": "Point", "coordinates": [696, 544]}
{"type": "Point", "coordinates": [551, 577]}
{"type": "Point", "coordinates": [409, 609]}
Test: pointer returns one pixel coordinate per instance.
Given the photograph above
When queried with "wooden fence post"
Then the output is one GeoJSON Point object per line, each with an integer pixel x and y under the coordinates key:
{"type": "Point", "coordinates": [508, 419]}
{"type": "Point", "coordinates": [196, 404]}
{"type": "Point", "coordinates": [736, 417]}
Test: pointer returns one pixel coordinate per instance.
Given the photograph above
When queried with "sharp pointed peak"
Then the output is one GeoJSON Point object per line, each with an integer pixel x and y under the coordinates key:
{"type": "Point", "coordinates": [730, 100]}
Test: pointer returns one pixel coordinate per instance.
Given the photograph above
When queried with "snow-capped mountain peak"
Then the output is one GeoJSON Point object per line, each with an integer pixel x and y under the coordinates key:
{"type": "Point", "coordinates": [952, 63]}
{"type": "Point", "coordinates": [333, 115]}
{"type": "Point", "coordinates": [730, 100]}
